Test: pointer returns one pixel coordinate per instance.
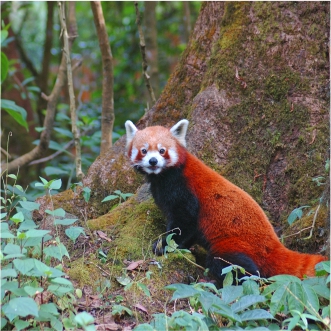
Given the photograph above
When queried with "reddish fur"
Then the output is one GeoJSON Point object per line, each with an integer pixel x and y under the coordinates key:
{"type": "Point", "coordinates": [233, 222]}
{"type": "Point", "coordinates": [229, 218]}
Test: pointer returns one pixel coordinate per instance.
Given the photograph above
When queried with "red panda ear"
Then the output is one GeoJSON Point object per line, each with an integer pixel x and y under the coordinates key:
{"type": "Point", "coordinates": [179, 131]}
{"type": "Point", "coordinates": [131, 130]}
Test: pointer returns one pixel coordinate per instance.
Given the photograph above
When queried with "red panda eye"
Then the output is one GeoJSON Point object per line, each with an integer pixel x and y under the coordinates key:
{"type": "Point", "coordinates": [162, 151]}
{"type": "Point", "coordinates": [144, 151]}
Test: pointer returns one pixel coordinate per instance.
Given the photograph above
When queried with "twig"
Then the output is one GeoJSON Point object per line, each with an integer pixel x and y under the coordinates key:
{"type": "Point", "coordinates": [54, 155]}
{"type": "Point", "coordinates": [74, 128]}
{"type": "Point", "coordinates": [108, 115]}
{"type": "Point", "coordinates": [143, 54]}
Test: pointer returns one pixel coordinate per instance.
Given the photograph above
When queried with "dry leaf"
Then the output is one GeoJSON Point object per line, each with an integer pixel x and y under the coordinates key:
{"type": "Point", "coordinates": [102, 235]}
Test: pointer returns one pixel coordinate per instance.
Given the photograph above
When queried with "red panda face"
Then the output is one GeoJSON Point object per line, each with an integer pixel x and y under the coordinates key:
{"type": "Point", "coordinates": [155, 148]}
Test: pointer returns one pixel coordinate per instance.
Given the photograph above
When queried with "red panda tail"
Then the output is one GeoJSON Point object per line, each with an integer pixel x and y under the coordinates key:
{"type": "Point", "coordinates": [294, 263]}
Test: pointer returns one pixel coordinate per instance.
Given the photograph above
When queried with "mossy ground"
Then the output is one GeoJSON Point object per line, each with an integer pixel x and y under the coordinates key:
{"type": "Point", "coordinates": [132, 227]}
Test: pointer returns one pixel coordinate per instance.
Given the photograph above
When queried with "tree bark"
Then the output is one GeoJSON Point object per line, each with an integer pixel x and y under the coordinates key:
{"type": "Point", "coordinates": [151, 46]}
{"type": "Point", "coordinates": [108, 115]}
{"type": "Point", "coordinates": [254, 83]}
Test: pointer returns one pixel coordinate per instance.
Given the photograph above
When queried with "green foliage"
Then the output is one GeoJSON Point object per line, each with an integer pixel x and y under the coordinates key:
{"type": "Point", "coordinates": [33, 271]}
{"type": "Point", "coordinates": [16, 112]}
{"type": "Point", "coordinates": [118, 195]}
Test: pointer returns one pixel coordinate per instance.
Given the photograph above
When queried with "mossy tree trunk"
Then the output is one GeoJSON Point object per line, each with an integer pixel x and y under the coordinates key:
{"type": "Point", "coordinates": [254, 83]}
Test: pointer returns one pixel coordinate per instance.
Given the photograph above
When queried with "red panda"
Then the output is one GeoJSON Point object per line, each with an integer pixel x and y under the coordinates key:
{"type": "Point", "coordinates": [208, 209]}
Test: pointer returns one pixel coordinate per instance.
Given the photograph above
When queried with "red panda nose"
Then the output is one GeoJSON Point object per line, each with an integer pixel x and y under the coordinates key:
{"type": "Point", "coordinates": [153, 161]}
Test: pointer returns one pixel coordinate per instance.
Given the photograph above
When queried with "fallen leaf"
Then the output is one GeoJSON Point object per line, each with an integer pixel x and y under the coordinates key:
{"type": "Point", "coordinates": [141, 307]}
{"type": "Point", "coordinates": [134, 265]}
{"type": "Point", "coordinates": [102, 235]}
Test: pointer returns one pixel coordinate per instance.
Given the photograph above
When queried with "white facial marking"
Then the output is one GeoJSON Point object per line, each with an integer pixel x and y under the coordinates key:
{"type": "Point", "coordinates": [134, 153]}
{"type": "Point", "coordinates": [173, 156]}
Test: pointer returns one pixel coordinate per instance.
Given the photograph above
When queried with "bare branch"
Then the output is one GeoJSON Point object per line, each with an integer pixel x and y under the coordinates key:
{"type": "Point", "coordinates": [66, 51]}
{"type": "Point", "coordinates": [40, 150]}
{"type": "Point", "coordinates": [107, 116]}
{"type": "Point", "coordinates": [143, 54]}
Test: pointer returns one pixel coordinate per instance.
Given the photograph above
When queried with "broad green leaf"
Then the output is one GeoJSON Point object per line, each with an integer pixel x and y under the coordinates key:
{"type": "Point", "coordinates": [13, 249]}
{"type": "Point", "coordinates": [251, 287]}
{"type": "Point", "coordinates": [65, 221]}
{"type": "Point", "coordinates": [56, 324]}
{"type": "Point", "coordinates": [61, 281]}
{"type": "Point", "coordinates": [74, 232]}
{"type": "Point", "coordinates": [182, 291]}
{"type": "Point", "coordinates": [30, 205]}
{"type": "Point", "coordinates": [295, 214]}
{"type": "Point", "coordinates": [110, 197]}
{"type": "Point", "coordinates": [64, 132]}
{"type": "Point", "coordinates": [231, 293]}
{"type": "Point", "coordinates": [12, 176]}
{"type": "Point", "coordinates": [57, 212]}
{"type": "Point", "coordinates": [86, 193]}
{"type": "Point", "coordinates": [144, 288]}
{"type": "Point", "coordinates": [54, 171]}
{"type": "Point", "coordinates": [124, 280]}
{"type": "Point", "coordinates": [4, 66]}
{"type": "Point", "coordinates": [24, 266]}
{"type": "Point", "coordinates": [34, 233]}
{"type": "Point", "coordinates": [21, 325]}
{"type": "Point", "coordinates": [33, 290]}
{"type": "Point", "coordinates": [5, 273]}
{"type": "Point", "coordinates": [55, 184]}
{"type": "Point", "coordinates": [17, 218]}
{"type": "Point", "coordinates": [255, 314]}
{"type": "Point", "coordinates": [84, 318]}
{"type": "Point", "coordinates": [59, 290]}
{"type": "Point", "coordinates": [49, 308]}
{"type": "Point", "coordinates": [3, 323]}
{"type": "Point", "coordinates": [296, 297]}
{"type": "Point", "coordinates": [20, 307]}
{"type": "Point", "coordinates": [27, 225]}
{"type": "Point", "coordinates": [56, 251]}
{"type": "Point", "coordinates": [208, 299]}
{"type": "Point", "coordinates": [6, 235]}
{"type": "Point", "coordinates": [247, 301]}
{"type": "Point", "coordinates": [16, 112]}
{"type": "Point", "coordinates": [279, 298]}
{"type": "Point", "coordinates": [285, 279]}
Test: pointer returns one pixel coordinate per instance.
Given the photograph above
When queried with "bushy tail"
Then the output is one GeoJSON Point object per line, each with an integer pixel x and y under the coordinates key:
{"type": "Point", "coordinates": [295, 263]}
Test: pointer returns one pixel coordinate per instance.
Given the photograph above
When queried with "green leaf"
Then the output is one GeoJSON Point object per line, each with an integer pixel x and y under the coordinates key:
{"type": "Point", "coordinates": [56, 251]}
{"type": "Point", "coordinates": [3, 323]}
{"type": "Point", "coordinates": [59, 290]}
{"type": "Point", "coordinates": [27, 225]}
{"type": "Point", "coordinates": [13, 249]}
{"type": "Point", "coordinates": [251, 287]}
{"type": "Point", "coordinates": [118, 310]}
{"type": "Point", "coordinates": [55, 184]}
{"type": "Point", "coordinates": [5, 273]}
{"type": "Point", "coordinates": [124, 280]}
{"type": "Point", "coordinates": [110, 197]}
{"type": "Point", "coordinates": [247, 301]}
{"type": "Point", "coordinates": [49, 308]}
{"type": "Point", "coordinates": [24, 266]}
{"type": "Point", "coordinates": [57, 212]}
{"type": "Point", "coordinates": [20, 307]}
{"type": "Point", "coordinates": [255, 314]}
{"type": "Point", "coordinates": [296, 214]}
{"type": "Point", "coordinates": [65, 221]}
{"type": "Point", "coordinates": [84, 319]}
{"type": "Point", "coordinates": [17, 218]}
{"type": "Point", "coordinates": [34, 233]}
{"type": "Point", "coordinates": [296, 297]}
{"type": "Point", "coordinates": [30, 205]}
{"type": "Point", "coordinates": [86, 194]}
{"type": "Point", "coordinates": [182, 291]}
{"type": "Point", "coordinates": [311, 299]}
{"type": "Point", "coordinates": [62, 281]}
{"type": "Point", "coordinates": [279, 298]}
{"type": "Point", "coordinates": [56, 324]}
{"type": "Point", "coordinates": [33, 290]}
{"type": "Point", "coordinates": [64, 132]}
{"type": "Point", "coordinates": [74, 232]}
{"type": "Point", "coordinates": [4, 66]}
{"type": "Point", "coordinates": [231, 293]}
{"type": "Point", "coordinates": [16, 112]}
{"type": "Point", "coordinates": [21, 325]}
{"type": "Point", "coordinates": [49, 171]}
{"type": "Point", "coordinates": [144, 288]}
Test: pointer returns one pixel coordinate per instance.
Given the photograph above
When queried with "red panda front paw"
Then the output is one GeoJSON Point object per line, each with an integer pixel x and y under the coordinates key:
{"type": "Point", "coordinates": [158, 247]}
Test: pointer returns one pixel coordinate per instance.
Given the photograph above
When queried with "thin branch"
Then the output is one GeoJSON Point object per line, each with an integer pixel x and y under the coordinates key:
{"type": "Point", "coordinates": [107, 116]}
{"type": "Point", "coordinates": [143, 54]}
{"type": "Point", "coordinates": [54, 155]}
{"type": "Point", "coordinates": [40, 150]}
{"type": "Point", "coordinates": [66, 51]}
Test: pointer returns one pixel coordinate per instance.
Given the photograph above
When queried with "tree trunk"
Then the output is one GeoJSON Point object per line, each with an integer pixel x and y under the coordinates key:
{"type": "Point", "coordinates": [151, 46]}
{"type": "Point", "coordinates": [253, 82]}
